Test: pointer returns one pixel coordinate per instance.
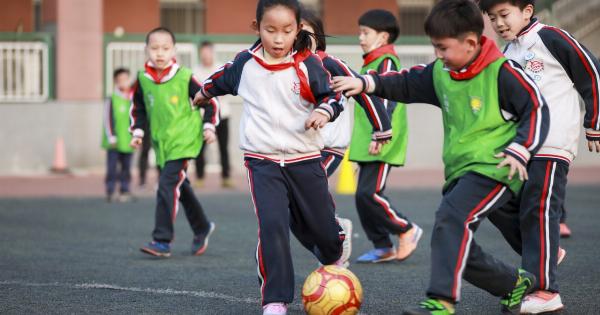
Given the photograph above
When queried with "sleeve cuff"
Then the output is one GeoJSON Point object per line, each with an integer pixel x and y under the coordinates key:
{"type": "Point", "coordinates": [592, 135]}
{"type": "Point", "coordinates": [138, 133]}
{"type": "Point", "coordinates": [519, 152]}
{"type": "Point", "coordinates": [381, 135]}
{"type": "Point", "coordinates": [370, 84]}
{"type": "Point", "coordinates": [205, 93]}
{"type": "Point", "coordinates": [209, 126]}
{"type": "Point", "coordinates": [112, 140]}
{"type": "Point", "coordinates": [325, 109]}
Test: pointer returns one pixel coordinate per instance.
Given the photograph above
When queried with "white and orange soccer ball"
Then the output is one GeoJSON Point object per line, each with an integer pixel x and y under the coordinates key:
{"type": "Point", "coordinates": [332, 290]}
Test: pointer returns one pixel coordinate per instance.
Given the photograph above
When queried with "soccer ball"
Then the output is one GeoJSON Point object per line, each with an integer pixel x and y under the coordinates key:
{"type": "Point", "coordinates": [332, 290]}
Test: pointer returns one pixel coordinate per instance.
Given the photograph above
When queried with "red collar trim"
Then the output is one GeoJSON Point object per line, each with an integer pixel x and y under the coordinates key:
{"type": "Point", "coordinates": [322, 54]}
{"type": "Point", "coordinates": [153, 72]}
{"type": "Point", "coordinates": [373, 55]}
{"type": "Point", "coordinates": [488, 54]}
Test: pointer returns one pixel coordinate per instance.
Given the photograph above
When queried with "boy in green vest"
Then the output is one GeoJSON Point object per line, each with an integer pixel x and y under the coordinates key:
{"type": "Point", "coordinates": [378, 31]}
{"type": "Point", "coordinates": [162, 97]}
{"type": "Point", "coordinates": [116, 137]}
{"type": "Point", "coordinates": [494, 119]}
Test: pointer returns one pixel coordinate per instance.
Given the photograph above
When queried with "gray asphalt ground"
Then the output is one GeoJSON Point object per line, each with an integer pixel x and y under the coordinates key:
{"type": "Point", "coordinates": [79, 256]}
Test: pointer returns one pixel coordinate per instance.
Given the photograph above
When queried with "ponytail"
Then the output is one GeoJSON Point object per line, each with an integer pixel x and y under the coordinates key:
{"type": "Point", "coordinates": [303, 41]}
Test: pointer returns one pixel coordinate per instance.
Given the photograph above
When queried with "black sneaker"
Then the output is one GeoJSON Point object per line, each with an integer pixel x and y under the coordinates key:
{"type": "Point", "coordinates": [511, 303]}
{"type": "Point", "coordinates": [200, 242]}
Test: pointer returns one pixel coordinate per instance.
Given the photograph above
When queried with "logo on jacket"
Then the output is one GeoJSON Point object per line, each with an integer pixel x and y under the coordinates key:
{"type": "Point", "coordinates": [535, 67]}
{"type": "Point", "coordinates": [476, 104]}
{"type": "Point", "coordinates": [296, 88]}
{"type": "Point", "coordinates": [174, 99]}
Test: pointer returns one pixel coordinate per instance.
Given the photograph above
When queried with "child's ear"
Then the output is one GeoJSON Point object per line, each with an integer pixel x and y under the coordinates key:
{"type": "Point", "coordinates": [385, 36]}
{"type": "Point", "coordinates": [472, 41]}
{"type": "Point", "coordinates": [254, 27]}
{"type": "Point", "coordinates": [528, 11]}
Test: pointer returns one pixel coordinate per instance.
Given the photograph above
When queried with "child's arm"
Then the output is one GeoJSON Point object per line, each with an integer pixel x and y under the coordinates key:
{"type": "Point", "coordinates": [521, 101]}
{"type": "Point", "coordinates": [327, 102]}
{"type": "Point", "coordinates": [414, 85]}
{"type": "Point", "coordinates": [373, 106]}
{"type": "Point", "coordinates": [212, 115]}
{"type": "Point", "coordinates": [137, 115]}
{"type": "Point", "coordinates": [109, 123]}
{"type": "Point", "coordinates": [225, 80]}
{"type": "Point", "coordinates": [584, 71]}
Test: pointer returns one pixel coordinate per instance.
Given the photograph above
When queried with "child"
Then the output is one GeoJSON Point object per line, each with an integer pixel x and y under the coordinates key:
{"type": "Point", "coordinates": [378, 31]}
{"type": "Point", "coordinates": [564, 70]}
{"type": "Point", "coordinates": [494, 120]}
{"type": "Point", "coordinates": [162, 96]}
{"type": "Point", "coordinates": [207, 67]}
{"type": "Point", "coordinates": [336, 135]}
{"type": "Point", "coordinates": [287, 98]}
{"type": "Point", "coordinates": [116, 137]}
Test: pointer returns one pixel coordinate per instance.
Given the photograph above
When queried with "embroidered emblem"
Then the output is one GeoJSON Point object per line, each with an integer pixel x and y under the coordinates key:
{"type": "Point", "coordinates": [174, 99]}
{"type": "Point", "coordinates": [529, 55]}
{"type": "Point", "coordinates": [296, 88]}
{"type": "Point", "coordinates": [476, 104]}
{"type": "Point", "coordinates": [535, 66]}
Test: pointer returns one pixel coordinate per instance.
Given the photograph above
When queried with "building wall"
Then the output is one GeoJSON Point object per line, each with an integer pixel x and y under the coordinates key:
{"type": "Point", "coordinates": [224, 17]}
{"type": "Point", "coordinates": [347, 23]}
{"type": "Point", "coordinates": [134, 16]}
{"type": "Point", "coordinates": [16, 16]}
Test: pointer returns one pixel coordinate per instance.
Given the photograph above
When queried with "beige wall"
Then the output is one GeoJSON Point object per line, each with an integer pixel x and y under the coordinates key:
{"type": "Point", "coordinates": [79, 50]}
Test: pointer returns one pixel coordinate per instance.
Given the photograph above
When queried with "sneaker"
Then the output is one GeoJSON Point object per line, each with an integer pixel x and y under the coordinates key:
{"type": "Point", "coordinates": [227, 183]}
{"type": "Point", "coordinates": [564, 230]}
{"type": "Point", "coordinates": [541, 302]}
{"type": "Point", "coordinates": [159, 249]}
{"type": "Point", "coordinates": [511, 303]}
{"type": "Point", "coordinates": [275, 309]}
{"type": "Point", "coordinates": [407, 242]}
{"type": "Point", "coordinates": [346, 225]}
{"type": "Point", "coordinates": [377, 255]}
{"type": "Point", "coordinates": [430, 307]}
{"type": "Point", "coordinates": [200, 242]}
{"type": "Point", "coordinates": [562, 253]}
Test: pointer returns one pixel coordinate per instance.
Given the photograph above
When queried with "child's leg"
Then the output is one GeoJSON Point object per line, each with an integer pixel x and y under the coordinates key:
{"type": "Point", "coordinates": [507, 220]}
{"type": "Point", "coordinates": [112, 157]}
{"type": "Point", "coordinates": [462, 209]}
{"type": "Point", "coordinates": [331, 161]}
{"type": "Point", "coordinates": [223, 141]}
{"type": "Point", "coordinates": [171, 178]}
{"type": "Point", "coordinates": [377, 215]}
{"type": "Point", "coordinates": [543, 197]}
{"type": "Point", "coordinates": [312, 213]}
{"type": "Point", "coordinates": [193, 209]}
{"type": "Point", "coordinates": [271, 205]}
{"type": "Point", "coordinates": [563, 213]}
{"type": "Point", "coordinates": [125, 177]}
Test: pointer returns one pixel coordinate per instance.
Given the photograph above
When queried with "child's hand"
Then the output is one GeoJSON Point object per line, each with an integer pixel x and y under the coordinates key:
{"type": "Point", "coordinates": [594, 144]}
{"type": "Point", "coordinates": [199, 98]}
{"type": "Point", "coordinates": [514, 164]}
{"type": "Point", "coordinates": [376, 146]}
{"type": "Point", "coordinates": [136, 142]}
{"type": "Point", "coordinates": [348, 85]}
{"type": "Point", "coordinates": [316, 120]}
{"type": "Point", "coordinates": [209, 136]}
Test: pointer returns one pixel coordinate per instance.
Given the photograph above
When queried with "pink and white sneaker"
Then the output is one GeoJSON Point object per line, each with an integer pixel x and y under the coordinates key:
{"type": "Point", "coordinates": [562, 253]}
{"type": "Point", "coordinates": [346, 225]}
{"type": "Point", "coordinates": [541, 302]}
{"type": "Point", "coordinates": [275, 309]}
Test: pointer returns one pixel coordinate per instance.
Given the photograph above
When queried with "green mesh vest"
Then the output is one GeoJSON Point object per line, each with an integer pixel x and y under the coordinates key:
{"type": "Point", "coordinates": [393, 153]}
{"type": "Point", "coordinates": [120, 113]}
{"type": "Point", "coordinates": [474, 129]}
{"type": "Point", "coordinates": [175, 124]}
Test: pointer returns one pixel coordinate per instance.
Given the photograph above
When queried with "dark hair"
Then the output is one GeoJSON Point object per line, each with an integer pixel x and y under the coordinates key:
{"type": "Point", "coordinates": [487, 5]}
{"type": "Point", "coordinates": [120, 71]}
{"type": "Point", "coordinates": [381, 21]}
{"type": "Point", "coordinates": [303, 41]}
{"type": "Point", "coordinates": [206, 43]}
{"type": "Point", "coordinates": [310, 17]}
{"type": "Point", "coordinates": [454, 19]}
{"type": "Point", "coordinates": [160, 30]}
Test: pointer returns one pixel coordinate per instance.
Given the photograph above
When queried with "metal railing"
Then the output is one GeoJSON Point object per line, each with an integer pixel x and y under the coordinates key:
{"type": "Point", "coordinates": [24, 71]}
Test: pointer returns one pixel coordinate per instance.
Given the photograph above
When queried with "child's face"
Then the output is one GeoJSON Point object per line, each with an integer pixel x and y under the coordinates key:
{"type": "Point", "coordinates": [278, 30]}
{"type": "Point", "coordinates": [160, 49]}
{"type": "Point", "coordinates": [207, 55]}
{"type": "Point", "coordinates": [122, 81]}
{"type": "Point", "coordinates": [308, 28]}
{"type": "Point", "coordinates": [371, 39]}
{"type": "Point", "coordinates": [456, 53]}
{"type": "Point", "coordinates": [508, 20]}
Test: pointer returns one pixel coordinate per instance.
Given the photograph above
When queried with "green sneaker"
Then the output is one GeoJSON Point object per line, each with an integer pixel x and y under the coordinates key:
{"type": "Point", "coordinates": [429, 307]}
{"type": "Point", "coordinates": [511, 303]}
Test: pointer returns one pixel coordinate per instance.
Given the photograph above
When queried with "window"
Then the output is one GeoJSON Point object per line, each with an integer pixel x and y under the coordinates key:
{"type": "Point", "coordinates": [183, 16]}
{"type": "Point", "coordinates": [412, 19]}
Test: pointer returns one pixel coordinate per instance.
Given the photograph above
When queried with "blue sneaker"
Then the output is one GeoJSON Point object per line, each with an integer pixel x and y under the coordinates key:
{"type": "Point", "coordinates": [200, 242]}
{"type": "Point", "coordinates": [159, 249]}
{"type": "Point", "coordinates": [377, 255]}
